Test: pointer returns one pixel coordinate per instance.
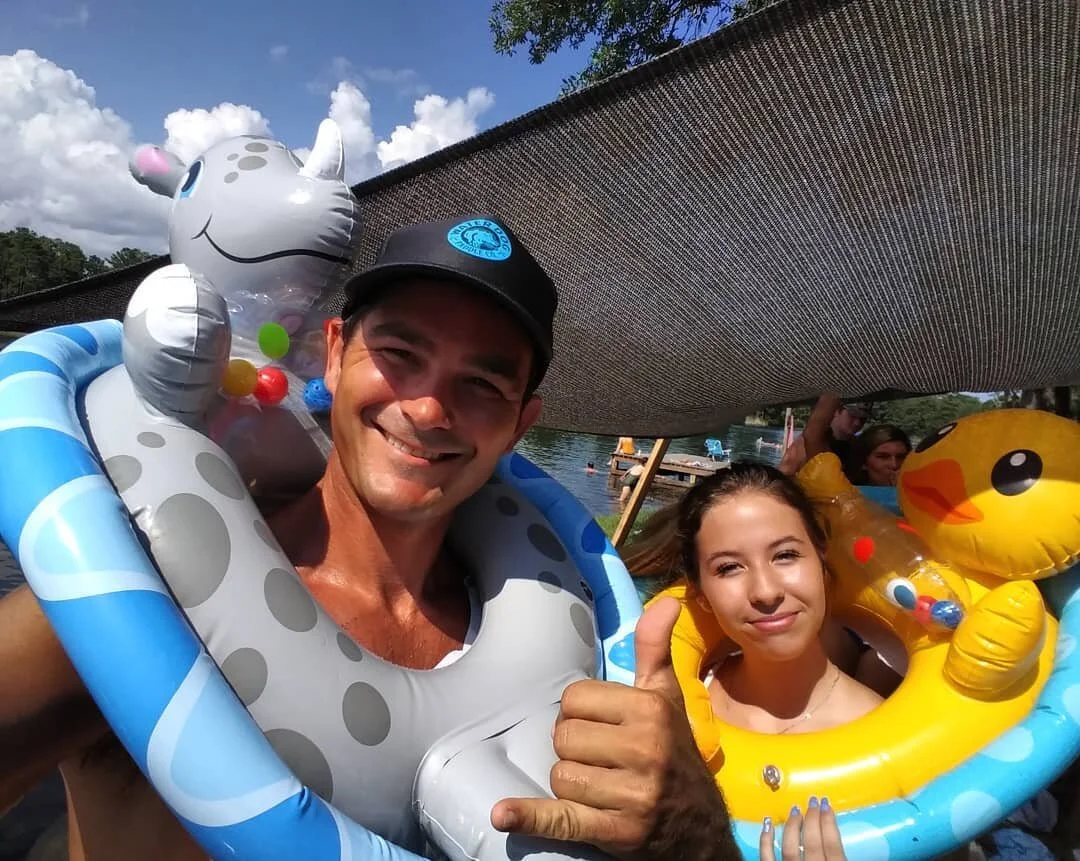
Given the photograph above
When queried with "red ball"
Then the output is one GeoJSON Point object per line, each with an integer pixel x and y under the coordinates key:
{"type": "Point", "coordinates": [922, 608]}
{"type": "Point", "coordinates": [864, 548]}
{"type": "Point", "coordinates": [271, 386]}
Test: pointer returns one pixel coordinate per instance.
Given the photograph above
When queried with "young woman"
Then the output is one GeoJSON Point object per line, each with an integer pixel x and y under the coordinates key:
{"type": "Point", "coordinates": [751, 544]}
{"type": "Point", "coordinates": [877, 455]}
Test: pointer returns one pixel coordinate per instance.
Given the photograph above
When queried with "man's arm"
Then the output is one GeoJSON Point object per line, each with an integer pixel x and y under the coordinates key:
{"type": "Point", "coordinates": [46, 715]}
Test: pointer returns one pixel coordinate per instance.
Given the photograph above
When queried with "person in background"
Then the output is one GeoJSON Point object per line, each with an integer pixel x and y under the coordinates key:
{"type": "Point", "coordinates": [877, 455]}
{"type": "Point", "coordinates": [846, 422]}
{"type": "Point", "coordinates": [629, 481]}
{"type": "Point", "coordinates": [625, 445]}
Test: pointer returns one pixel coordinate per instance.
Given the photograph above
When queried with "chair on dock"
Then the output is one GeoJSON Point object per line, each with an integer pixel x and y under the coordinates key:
{"type": "Point", "coordinates": [716, 450]}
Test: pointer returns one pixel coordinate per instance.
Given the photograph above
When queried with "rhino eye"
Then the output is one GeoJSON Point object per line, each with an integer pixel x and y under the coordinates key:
{"type": "Point", "coordinates": [191, 180]}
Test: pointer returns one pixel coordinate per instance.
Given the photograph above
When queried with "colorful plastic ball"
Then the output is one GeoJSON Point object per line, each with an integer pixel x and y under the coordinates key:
{"type": "Point", "coordinates": [922, 609]}
{"type": "Point", "coordinates": [863, 549]}
{"type": "Point", "coordinates": [273, 340]}
{"type": "Point", "coordinates": [949, 614]}
{"type": "Point", "coordinates": [317, 397]}
{"type": "Point", "coordinates": [240, 378]}
{"type": "Point", "coordinates": [271, 387]}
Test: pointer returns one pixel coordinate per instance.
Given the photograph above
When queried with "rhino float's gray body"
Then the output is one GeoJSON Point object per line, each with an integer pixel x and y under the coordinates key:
{"type": "Point", "coordinates": [355, 729]}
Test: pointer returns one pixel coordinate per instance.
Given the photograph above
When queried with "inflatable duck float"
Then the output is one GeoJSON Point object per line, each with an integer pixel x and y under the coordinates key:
{"type": "Point", "coordinates": [988, 712]}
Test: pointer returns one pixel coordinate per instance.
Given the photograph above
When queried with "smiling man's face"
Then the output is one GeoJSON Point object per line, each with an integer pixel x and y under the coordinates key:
{"type": "Point", "coordinates": [429, 392]}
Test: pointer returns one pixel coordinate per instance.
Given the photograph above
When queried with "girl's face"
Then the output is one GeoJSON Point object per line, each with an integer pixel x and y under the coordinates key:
{"type": "Point", "coordinates": [884, 462]}
{"type": "Point", "coordinates": [761, 575]}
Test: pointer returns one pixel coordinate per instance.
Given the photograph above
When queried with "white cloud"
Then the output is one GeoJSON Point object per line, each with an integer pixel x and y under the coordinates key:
{"type": "Point", "coordinates": [279, 52]}
{"type": "Point", "coordinates": [351, 110]}
{"type": "Point", "coordinates": [63, 162]}
{"type": "Point", "coordinates": [338, 70]}
{"type": "Point", "coordinates": [438, 123]}
{"type": "Point", "coordinates": [192, 132]}
{"type": "Point", "coordinates": [80, 17]}
{"type": "Point", "coordinates": [64, 159]}
{"type": "Point", "coordinates": [405, 82]}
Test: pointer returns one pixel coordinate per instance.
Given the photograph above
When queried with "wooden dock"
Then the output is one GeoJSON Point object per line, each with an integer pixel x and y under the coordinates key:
{"type": "Point", "coordinates": [676, 470]}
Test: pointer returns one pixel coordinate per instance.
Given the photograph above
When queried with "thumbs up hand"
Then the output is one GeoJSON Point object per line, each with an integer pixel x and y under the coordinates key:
{"type": "Point", "coordinates": [629, 779]}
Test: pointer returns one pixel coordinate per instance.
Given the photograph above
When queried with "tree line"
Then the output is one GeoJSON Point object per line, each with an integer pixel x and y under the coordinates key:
{"type": "Point", "coordinates": [920, 416]}
{"type": "Point", "coordinates": [31, 262]}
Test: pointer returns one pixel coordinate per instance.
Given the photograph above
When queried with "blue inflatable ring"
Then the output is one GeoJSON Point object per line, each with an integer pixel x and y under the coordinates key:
{"type": "Point", "coordinates": [106, 603]}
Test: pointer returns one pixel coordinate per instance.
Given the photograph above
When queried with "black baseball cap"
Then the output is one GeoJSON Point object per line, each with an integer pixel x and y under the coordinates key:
{"type": "Point", "coordinates": [479, 251]}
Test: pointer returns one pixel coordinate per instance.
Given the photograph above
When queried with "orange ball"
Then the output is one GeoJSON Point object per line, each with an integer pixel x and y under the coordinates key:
{"type": "Point", "coordinates": [240, 378]}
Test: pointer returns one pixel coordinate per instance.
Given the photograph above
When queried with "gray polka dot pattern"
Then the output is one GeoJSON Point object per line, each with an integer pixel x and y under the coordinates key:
{"type": "Point", "coordinates": [544, 540]}
{"type": "Point", "coordinates": [233, 156]}
{"type": "Point", "coordinates": [251, 162]}
{"type": "Point", "coordinates": [582, 620]}
{"type": "Point", "coordinates": [549, 581]}
{"type": "Point", "coordinates": [151, 439]}
{"type": "Point", "coordinates": [366, 714]}
{"type": "Point", "coordinates": [304, 759]}
{"type": "Point", "coordinates": [196, 555]}
{"type": "Point", "coordinates": [232, 176]}
{"type": "Point", "coordinates": [264, 533]}
{"type": "Point", "coordinates": [349, 648]}
{"type": "Point", "coordinates": [247, 673]}
{"type": "Point", "coordinates": [507, 506]}
{"type": "Point", "coordinates": [256, 146]}
{"type": "Point", "coordinates": [124, 471]}
{"type": "Point", "coordinates": [218, 475]}
{"type": "Point", "coordinates": [289, 601]}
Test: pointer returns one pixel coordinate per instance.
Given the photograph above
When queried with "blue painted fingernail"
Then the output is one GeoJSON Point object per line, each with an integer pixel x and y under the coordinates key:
{"type": "Point", "coordinates": [825, 804]}
{"type": "Point", "coordinates": [813, 802]}
{"type": "Point", "coordinates": [766, 825]}
{"type": "Point", "coordinates": [795, 811]}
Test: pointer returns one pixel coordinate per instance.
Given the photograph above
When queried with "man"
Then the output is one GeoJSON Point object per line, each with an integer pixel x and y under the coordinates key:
{"type": "Point", "coordinates": [433, 371]}
{"type": "Point", "coordinates": [846, 422]}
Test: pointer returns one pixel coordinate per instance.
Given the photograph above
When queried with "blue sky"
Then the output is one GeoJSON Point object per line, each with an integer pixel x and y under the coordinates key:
{"type": "Point", "coordinates": [147, 59]}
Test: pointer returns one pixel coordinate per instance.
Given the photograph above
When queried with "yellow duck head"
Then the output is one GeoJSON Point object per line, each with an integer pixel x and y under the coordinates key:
{"type": "Point", "coordinates": [998, 492]}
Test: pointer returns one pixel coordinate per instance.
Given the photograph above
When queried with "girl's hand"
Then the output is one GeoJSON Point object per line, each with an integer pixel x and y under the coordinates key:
{"type": "Point", "coordinates": [815, 837]}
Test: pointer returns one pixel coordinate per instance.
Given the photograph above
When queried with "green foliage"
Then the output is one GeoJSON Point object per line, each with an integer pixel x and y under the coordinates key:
{"type": "Point", "coordinates": [128, 257]}
{"type": "Point", "coordinates": [774, 416]}
{"type": "Point", "coordinates": [626, 32]}
{"type": "Point", "coordinates": [919, 417]}
{"type": "Point", "coordinates": [31, 262]}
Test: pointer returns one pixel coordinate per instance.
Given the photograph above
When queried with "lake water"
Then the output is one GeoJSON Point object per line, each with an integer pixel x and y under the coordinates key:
{"type": "Point", "coordinates": [564, 456]}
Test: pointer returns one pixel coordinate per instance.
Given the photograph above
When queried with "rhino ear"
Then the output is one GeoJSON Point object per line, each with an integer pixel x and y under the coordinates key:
{"type": "Point", "coordinates": [327, 159]}
{"type": "Point", "coordinates": [157, 169]}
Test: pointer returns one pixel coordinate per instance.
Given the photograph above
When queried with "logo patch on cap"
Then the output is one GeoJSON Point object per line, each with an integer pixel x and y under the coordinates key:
{"type": "Point", "coordinates": [480, 238]}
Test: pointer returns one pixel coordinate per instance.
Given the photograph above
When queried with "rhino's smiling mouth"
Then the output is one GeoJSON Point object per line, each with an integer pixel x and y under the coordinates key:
{"type": "Point", "coordinates": [274, 255]}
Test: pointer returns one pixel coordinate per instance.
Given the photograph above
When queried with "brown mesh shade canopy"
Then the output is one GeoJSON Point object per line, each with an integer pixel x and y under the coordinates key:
{"type": "Point", "coordinates": [862, 196]}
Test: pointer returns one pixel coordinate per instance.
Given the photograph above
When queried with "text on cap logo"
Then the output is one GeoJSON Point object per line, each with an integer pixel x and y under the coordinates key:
{"type": "Point", "coordinates": [481, 238]}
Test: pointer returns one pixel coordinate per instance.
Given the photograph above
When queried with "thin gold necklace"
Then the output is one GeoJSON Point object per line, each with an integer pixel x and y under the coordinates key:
{"type": "Point", "coordinates": [809, 713]}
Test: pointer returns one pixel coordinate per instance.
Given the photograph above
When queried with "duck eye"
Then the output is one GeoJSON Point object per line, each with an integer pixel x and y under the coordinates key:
{"type": "Point", "coordinates": [1016, 472]}
{"type": "Point", "coordinates": [936, 437]}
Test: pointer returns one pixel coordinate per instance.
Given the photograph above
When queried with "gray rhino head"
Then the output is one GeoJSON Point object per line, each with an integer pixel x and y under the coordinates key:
{"type": "Point", "coordinates": [272, 234]}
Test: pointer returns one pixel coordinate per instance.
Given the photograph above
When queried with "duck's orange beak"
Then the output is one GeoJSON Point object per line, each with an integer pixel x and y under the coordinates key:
{"type": "Point", "coordinates": [938, 490]}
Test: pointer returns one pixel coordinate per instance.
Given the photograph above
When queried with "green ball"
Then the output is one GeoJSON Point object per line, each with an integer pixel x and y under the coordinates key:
{"type": "Point", "coordinates": [273, 340]}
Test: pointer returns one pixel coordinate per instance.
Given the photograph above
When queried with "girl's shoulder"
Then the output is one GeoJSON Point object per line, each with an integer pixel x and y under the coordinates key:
{"type": "Point", "coordinates": [857, 698]}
